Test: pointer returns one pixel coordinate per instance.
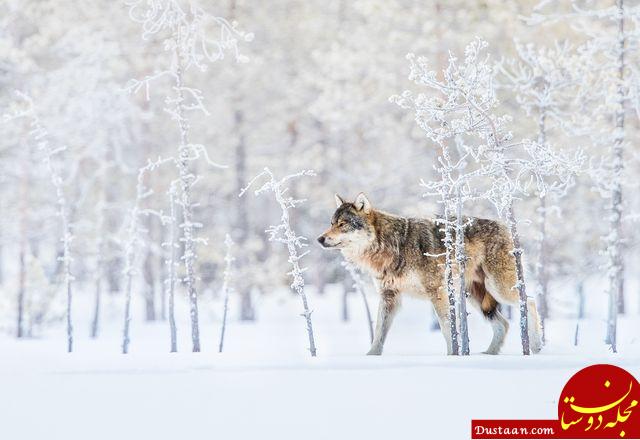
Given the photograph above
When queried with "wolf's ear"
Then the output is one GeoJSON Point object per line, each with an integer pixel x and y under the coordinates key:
{"type": "Point", "coordinates": [339, 200]}
{"type": "Point", "coordinates": [362, 203]}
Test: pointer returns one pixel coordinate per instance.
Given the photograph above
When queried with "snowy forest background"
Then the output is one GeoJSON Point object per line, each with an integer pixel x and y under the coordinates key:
{"type": "Point", "coordinates": [129, 130]}
{"type": "Point", "coordinates": [290, 86]}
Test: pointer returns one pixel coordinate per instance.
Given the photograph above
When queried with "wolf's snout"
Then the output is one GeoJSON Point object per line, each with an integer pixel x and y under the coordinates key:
{"type": "Point", "coordinates": [321, 240]}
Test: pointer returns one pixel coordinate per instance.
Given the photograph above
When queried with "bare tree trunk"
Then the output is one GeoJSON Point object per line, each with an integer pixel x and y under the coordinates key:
{"type": "Point", "coordinates": [614, 248]}
{"type": "Point", "coordinates": [621, 299]}
{"type": "Point", "coordinates": [24, 227]}
{"type": "Point", "coordinates": [148, 265]}
{"type": "Point", "coordinates": [580, 294]}
{"type": "Point", "coordinates": [186, 180]}
{"type": "Point", "coordinates": [171, 263]}
{"type": "Point", "coordinates": [226, 288]}
{"type": "Point", "coordinates": [247, 312]}
{"type": "Point", "coordinates": [127, 316]}
{"type": "Point", "coordinates": [131, 252]}
{"type": "Point", "coordinates": [461, 259]}
{"type": "Point", "coordinates": [21, 292]}
{"type": "Point", "coordinates": [114, 262]}
{"type": "Point", "coordinates": [541, 267]}
{"type": "Point", "coordinates": [1, 262]}
{"type": "Point", "coordinates": [68, 278]}
{"type": "Point", "coordinates": [243, 286]}
{"type": "Point", "coordinates": [95, 322]}
{"type": "Point", "coordinates": [358, 285]}
{"type": "Point", "coordinates": [448, 275]}
{"type": "Point", "coordinates": [517, 254]}
{"type": "Point", "coordinates": [321, 277]}
{"type": "Point", "coordinates": [149, 284]}
{"type": "Point", "coordinates": [541, 263]}
{"type": "Point", "coordinates": [100, 258]}
{"type": "Point", "coordinates": [581, 299]}
{"type": "Point", "coordinates": [114, 271]}
{"type": "Point", "coordinates": [224, 322]}
{"type": "Point", "coordinates": [446, 215]}
{"type": "Point", "coordinates": [162, 275]}
{"type": "Point", "coordinates": [345, 304]}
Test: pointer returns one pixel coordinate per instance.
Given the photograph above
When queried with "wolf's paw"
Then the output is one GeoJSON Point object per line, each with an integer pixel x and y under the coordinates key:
{"type": "Point", "coordinates": [374, 352]}
{"type": "Point", "coordinates": [536, 347]}
{"type": "Point", "coordinates": [491, 352]}
{"type": "Point", "coordinates": [535, 342]}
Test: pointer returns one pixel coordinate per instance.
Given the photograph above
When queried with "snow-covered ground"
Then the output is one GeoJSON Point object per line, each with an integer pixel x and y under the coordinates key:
{"type": "Point", "coordinates": [266, 386]}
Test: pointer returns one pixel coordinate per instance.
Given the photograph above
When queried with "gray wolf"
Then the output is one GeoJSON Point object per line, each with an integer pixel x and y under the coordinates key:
{"type": "Point", "coordinates": [393, 250]}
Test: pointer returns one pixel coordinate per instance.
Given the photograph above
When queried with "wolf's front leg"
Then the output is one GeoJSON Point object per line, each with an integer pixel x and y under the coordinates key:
{"type": "Point", "coordinates": [389, 302]}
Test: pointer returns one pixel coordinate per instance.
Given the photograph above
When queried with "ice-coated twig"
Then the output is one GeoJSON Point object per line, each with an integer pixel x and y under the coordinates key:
{"type": "Point", "coordinates": [283, 233]}
{"type": "Point", "coordinates": [157, 16]}
{"type": "Point", "coordinates": [226, 287]}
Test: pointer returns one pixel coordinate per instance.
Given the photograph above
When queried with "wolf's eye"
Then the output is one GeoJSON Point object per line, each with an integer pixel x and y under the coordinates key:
{"type": "Point", "coordinates": [356, 223]}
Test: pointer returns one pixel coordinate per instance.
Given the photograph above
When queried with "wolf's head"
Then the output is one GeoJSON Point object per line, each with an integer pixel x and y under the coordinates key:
{"type": "Point", "coordinates": [351, 226]}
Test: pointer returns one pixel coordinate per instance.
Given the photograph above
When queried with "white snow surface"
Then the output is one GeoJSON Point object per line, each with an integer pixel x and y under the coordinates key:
{"type": "Point", "coordinates": [265, 386]}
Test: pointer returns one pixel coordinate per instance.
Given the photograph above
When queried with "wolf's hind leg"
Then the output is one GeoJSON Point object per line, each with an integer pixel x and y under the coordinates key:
{"type": "Point", "coordinates": [506, 294]}
{"type": "Point", "coordinates": [441, 307]}
{"type": "Point", "coordinates": [487, 304]}
{"type": "Point", "coordinates": [387, 309]}
{"type": "Point", "coordinates": [500, 327]}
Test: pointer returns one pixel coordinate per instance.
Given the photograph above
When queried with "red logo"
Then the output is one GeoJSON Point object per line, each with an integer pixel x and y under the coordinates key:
{"type": "Point", "coordinates": [600, 401]}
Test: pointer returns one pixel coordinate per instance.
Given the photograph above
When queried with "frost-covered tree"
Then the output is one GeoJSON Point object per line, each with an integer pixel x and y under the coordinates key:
{"type": "Point", "coordinates": [284, 233]}
{"type": "Point", "coordinates": [447, 115]}
{"type": "Point", "coordinates": [453, 189]}
{"type": "Point", "coordinates": [614, 47]}
{"type": "Point", "coordinates": [466, 104]}
{"type": "Point", "coordinates": [544, 82]}
{"type": "Point", "coordinates": [135, 240]}
{"type": "Point", "coordinates": [609, 34]}
{"type": "Point", "coordinates": [188, 36]}
{"type": "Point", "coordinates": [52, 157]}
